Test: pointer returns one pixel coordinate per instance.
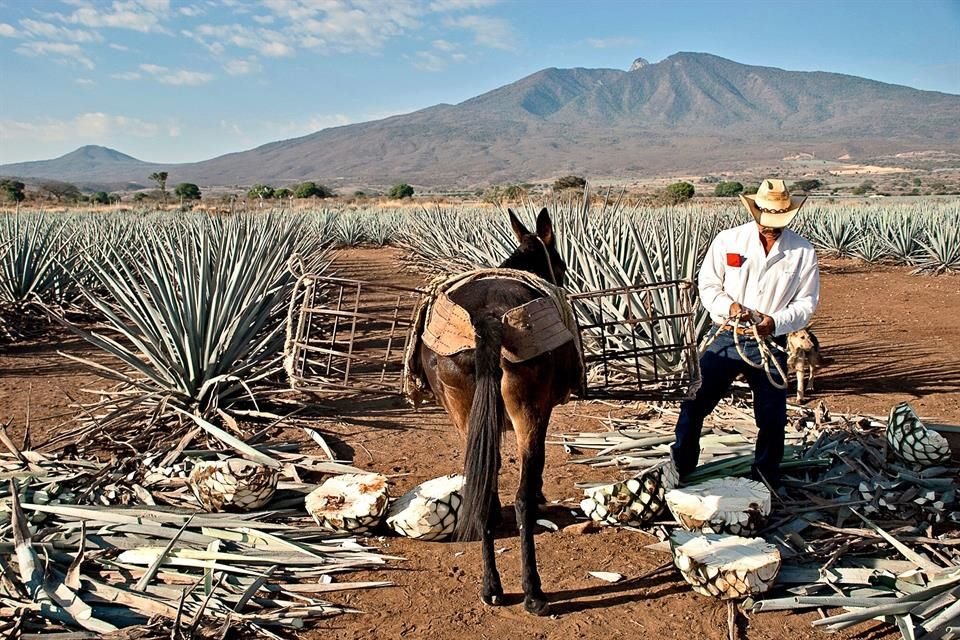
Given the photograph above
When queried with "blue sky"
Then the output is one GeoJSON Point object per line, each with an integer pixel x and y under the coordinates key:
{"type": "Point", "coordinates": [187, 80]}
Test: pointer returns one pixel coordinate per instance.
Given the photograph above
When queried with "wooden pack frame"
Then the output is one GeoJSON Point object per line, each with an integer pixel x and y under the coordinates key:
{"type": "Point", "coordinates": [349, 336]}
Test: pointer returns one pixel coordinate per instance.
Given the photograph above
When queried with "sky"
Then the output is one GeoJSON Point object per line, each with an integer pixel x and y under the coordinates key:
{"type": "Point", "coordinates": [188, 80]}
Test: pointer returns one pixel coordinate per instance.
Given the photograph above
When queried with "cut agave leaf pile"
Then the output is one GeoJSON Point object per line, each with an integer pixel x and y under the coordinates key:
{"type": "Point", "coordinates": [349, 503]}
{"type": "Point", "coordinates": [429, 511]}
{"type": "Point", "coordinates": [910, 440]}
{"type": "Point", "coordinates": [723, 566]}
{"type": "Point", "coordinates": [632, 502]}
{"type": "Point", "coordinates": [233, 483]}
{"type": "Point", "coordinates": [724, 505]}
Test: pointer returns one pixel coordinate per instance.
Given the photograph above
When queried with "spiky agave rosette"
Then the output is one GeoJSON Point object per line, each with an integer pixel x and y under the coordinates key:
{"type": "Point", "coordinates": [349, 503]}
{"type": "Point", "coordinates": [429, 511]}
{"type": "Point", "coordinates": [723, 505]}
{"type": "Point", "coordinates": [724, 566]}
{"type": "Point", "coordinates": [632, 502]}
{"type": "Point", "coordinates": [234, 483]}
{"type": "Point", "coordinates": [910, 439]}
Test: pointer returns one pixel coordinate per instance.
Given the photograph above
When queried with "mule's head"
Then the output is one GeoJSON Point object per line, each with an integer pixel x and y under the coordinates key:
{"type": "Point", "coordinates": [537, 252]}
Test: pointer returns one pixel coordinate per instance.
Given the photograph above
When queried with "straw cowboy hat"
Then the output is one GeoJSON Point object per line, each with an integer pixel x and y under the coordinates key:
{"type": "Point", "coordinates": [773, 206]}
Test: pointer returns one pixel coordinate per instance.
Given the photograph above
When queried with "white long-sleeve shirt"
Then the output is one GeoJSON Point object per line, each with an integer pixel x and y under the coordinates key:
{"type": "Point", "coordinates": [784, 284]}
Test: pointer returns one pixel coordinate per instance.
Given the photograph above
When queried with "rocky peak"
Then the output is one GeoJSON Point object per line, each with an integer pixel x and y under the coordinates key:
{"type": "Point", "coordinates": [639, 63]}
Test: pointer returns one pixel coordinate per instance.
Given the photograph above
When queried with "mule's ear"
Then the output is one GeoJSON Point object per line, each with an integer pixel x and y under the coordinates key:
{"type": "Point", "coordinates": [518, 229]}
{"type": "Point", "coordinates": [545, 228]}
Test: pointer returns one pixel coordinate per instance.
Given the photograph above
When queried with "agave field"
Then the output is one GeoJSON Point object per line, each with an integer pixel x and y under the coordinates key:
{"type": "Point", "coordinates": [184, 316]}
{"type": "Point", "coordinates": [189, 309]}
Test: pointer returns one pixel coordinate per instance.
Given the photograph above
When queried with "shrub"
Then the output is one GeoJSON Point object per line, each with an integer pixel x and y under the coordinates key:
{"type": "Point", "coordinates": [807, 185]}
{"type": "Point", "coordinates": [400, 191]}
{"type": "Point", "coordinates": [312, 190]}
{"type": "Point", "coordinates": [569, 182]}
{"type": "Point", "coordinates": [727, 189]}
{"type": "Point", "coordinates": [679, 192]}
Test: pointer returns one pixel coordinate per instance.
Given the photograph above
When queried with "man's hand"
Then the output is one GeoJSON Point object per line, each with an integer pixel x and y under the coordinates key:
{"type": "Point", "coordinates": [739, 312]}
{"type": "Point", "coordinates": [766, 326]}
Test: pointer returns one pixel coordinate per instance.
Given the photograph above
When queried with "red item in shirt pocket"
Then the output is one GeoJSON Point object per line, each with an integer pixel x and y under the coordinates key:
{"type": "Point", "coordinates": [734, 260]}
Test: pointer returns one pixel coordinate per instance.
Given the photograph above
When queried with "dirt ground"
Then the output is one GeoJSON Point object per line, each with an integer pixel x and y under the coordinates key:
{"type": "Point", "coordinates": [887, 337]}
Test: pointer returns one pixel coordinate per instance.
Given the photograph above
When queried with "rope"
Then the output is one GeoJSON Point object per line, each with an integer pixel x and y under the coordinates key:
{"type": "Point", "coordinates": [765, 346]}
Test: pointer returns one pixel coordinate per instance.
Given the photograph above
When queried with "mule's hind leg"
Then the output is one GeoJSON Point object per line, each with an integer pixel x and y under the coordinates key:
{"type": "Point", "coordinates": [491, 592]}
{"type": "Point", "coordinates": [530, 425]}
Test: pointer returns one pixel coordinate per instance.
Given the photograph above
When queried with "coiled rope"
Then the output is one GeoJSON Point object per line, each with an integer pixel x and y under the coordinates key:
{"type": "Point", "coordinates": [765, 345]}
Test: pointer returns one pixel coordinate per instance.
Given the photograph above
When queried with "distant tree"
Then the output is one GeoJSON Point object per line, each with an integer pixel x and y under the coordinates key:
{"type": "Point", "coordinates": [60, 190]}
{"type": "Point", "coordinates": [100, 197]}
{"type": "Point", "coordinates": [115, 198]}
{"type": "Point", "coordinates": [359, 194]}
{"type": "Point", "coordinates": [187, 191]}
{"type": "Point", "coordinates": [400, 191]}
{"type": "Point", "coordinates": [261, 192]}
{"type": "Point", "coordinates": [283, 193]}
{"type": "Point", "coordinates": [312, 190]}
{"type": "Point", "coordinates": [863, 188]}
{"type": "Point", "coordinates": [569, 182]}
{"type": "Point", "coordinates": [514, 192]}
{"type": "Point", "coordinates": [160, 177]}
{"type": "Point", "coordinates": [917, 182]}
{"type": "Point", "coordinates": [679, 192]}
{"type": "Point", "coordinates": [807, 185]}
{"type": "Point", "coordinates": [140, 196]}
{"type": "Point", "coordinates": [727, 189]}
{"type": "Point", "coordinates": [750, 189]}
{"type": "Point", "coordinates": [12, 190]}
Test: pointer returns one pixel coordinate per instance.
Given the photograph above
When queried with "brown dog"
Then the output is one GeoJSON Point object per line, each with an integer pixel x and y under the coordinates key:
{"type": "Point", "coordinates": [803, 356]}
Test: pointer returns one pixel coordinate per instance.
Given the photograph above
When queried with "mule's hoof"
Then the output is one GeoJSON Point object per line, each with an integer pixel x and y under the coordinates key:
{"type": "Point", "coordinates": [492, 599]}
{"type": "Point", "coordinates": [537, 605]}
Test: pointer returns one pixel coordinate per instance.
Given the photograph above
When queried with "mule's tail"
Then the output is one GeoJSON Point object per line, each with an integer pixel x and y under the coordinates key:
{"type": "Point", "coordinates": [487, 418]}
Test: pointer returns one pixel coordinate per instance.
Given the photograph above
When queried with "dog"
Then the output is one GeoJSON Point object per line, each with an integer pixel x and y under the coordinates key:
{"type": "Point", "coordinates": [803, 356]}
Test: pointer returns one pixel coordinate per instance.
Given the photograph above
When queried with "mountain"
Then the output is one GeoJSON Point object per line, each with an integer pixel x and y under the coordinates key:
{"type": "Point", "coordinates": [91, 165]}
{"type": "Point", "coordinates": [689, 112]}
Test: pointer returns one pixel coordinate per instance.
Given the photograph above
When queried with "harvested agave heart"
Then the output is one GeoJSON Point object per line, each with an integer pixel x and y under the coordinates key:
{"type": "Point", "coordinates": [233, 483]}
{"type": "Point", "coordinates": [724, 505]}
{"type": "Point", "coordinates": [428, 511]}
{"type": "Point", "coordinates": [349, 503]}
{"type": "Point", "coordinates": [632, 502]}
{"type": "Point", "coordinates": [910, 440]}
{"type": "Point", "coordinates": [723, 566]}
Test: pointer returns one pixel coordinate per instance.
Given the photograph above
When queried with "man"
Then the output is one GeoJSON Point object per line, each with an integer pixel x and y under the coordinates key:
{"type": "Point", "coordinates": [758, 272]}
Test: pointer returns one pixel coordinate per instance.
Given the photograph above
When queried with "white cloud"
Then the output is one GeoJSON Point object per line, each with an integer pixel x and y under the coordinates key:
{"type": "Point", "coordinates": [99, 127]}
{"type": "Point", "coordinates": [60, 51]}
{"type": "Point", "coordinates": [138, 15]}
{"type": "Point", "coordinates": [242, 67]}
{"type": "Point", "coordinates": [127, 75]}
{"type": "Point", "coordinates": [263, 19]}
{"type": "Point", "coordinates": [613, 42]}
{"type": "Point", "coordinates": [494, 33]}
{"type": "Point", "coordinates": [192, 12]}
{"type": "Point", "coordinates": [459, 5]}
{"type": "Point", "coordinates": [118, 47]}
{"type": "Point", "coordinates": [179, 77]}
{"type": "Point", "coordinates": [53, 32]}
{"type": "Point", "coordinates": [439, 58]}
{"type": "Point", "coordinates": [84, 81]}
{"type": "Point", "coordinates": [7, 31]}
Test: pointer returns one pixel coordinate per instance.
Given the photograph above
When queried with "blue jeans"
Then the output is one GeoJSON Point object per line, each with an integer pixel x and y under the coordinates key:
{"type": "Point", "coordinates": [719, 365]}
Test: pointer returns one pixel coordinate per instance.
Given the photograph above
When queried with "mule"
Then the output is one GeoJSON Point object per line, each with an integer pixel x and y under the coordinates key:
{"type": "Point", "coordinates": [485, 394]}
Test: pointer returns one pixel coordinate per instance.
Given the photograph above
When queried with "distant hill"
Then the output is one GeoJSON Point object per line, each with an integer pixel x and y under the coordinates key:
{"type": "Point", "coordinates": [689, 112]}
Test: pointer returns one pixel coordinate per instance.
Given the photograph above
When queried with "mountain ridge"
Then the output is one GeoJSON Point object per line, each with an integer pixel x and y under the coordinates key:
{"type": "Point", "coordinates": [688, 112]}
